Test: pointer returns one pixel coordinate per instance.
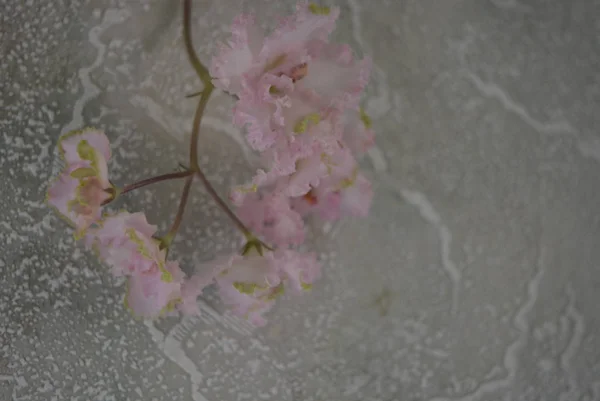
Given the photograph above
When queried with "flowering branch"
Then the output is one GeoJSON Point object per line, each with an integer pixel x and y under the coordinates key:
{"type": "Point", "coordinates": [205, 95]}
{"type": "Point", "coordinates": [297, 96]}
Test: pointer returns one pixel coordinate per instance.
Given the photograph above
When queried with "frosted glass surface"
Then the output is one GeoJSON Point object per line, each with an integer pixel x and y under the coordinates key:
{"type": "Point", "coordinates": [476, 276]}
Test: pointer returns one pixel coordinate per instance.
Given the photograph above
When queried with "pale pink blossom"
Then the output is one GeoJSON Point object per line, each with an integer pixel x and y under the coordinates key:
{"type": "Point", "coordinates": [125, 242]}
{"type": "Point", "coordinates": [73, 146]}
{"type": "Point", "coordinates": [326, 205]}
{"type": "Point", "coordinates": [261, 110]}
{"type": "Point", "coordinates": [238, 56]}
{"type": "Point", "coordinates": [249, 54]}
{"type": "Point", "coordinates": [250, 283]}
{"type": "Point", "coordinates": [334, 78]}
{"type": "Point", "coordinates": [356, 197]}
{"type": "Point", "coordinates": [150, 293]}
{"type": "Point", "coordinates": [308, 174]}
{"type": "Point", "coordinates": [348, 196]}
{"type": "Point", "coordinates": [293, 80]}
{"type": "Point", "coordinates": [250, 306]}
{"type": "Point", "coordinates": [283, 226]}
{"type": "Point", "coordinates": [83, 186]}
{"type": "Point", "coordinates": [271, 216]}
{"type": "Point", "coordinates": [298, 270]}
{"type": "Point", "coordinates": [358, 132]}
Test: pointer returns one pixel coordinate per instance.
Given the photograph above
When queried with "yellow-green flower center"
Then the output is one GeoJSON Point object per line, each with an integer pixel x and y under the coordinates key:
{"type": "Point", "coordinates": [246, 288]}
{"type": "Point", "coordinates": [364, 117]}
{"type": "Point", "coordinates": [318, 10]}
{"type": "Point", "coordinates": [276, 62]}
{"type": "Point", "coordinates": [302, 125]}
{"type": "Point", "coordinates": [143, 250]}
{"type": "Point", "coordinates": [276, 292]}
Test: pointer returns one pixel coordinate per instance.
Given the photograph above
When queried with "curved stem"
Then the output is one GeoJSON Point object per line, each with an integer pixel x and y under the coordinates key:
{"type": "Point", "coordinates": [168, 238]}
{"type": "Point", "coordinates": [223, 206]}
{"type": "Point", "coordinates": [201, 70]}
{"type": "Point", "coordinates": [204, 75]}
{"type": "Point", "coordinates": [153, 180]}
{"type": "Point", "coordinates": [196, 127]}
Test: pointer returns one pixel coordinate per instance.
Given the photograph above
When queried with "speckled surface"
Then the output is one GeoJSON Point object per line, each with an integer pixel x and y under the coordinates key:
{"type": "Point", "coordinates": [475, 278]}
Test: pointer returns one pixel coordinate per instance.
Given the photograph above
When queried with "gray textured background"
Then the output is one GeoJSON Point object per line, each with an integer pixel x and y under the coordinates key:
{"type": "Point", "coordinates": [475, 278]}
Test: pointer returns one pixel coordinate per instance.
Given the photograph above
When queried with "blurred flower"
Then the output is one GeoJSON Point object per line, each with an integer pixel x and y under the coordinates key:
{"type": "Point", "coordinates": [83, 186]}
{"type": "Point", "coordinates": [250, 283]}
{"type": "Point", "coordinates": [149, 294]}
{"type": "Point", "coordinates": [125, 242]}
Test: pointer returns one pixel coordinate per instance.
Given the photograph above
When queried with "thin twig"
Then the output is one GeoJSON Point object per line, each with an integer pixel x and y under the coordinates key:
{"type": "Point", "coordinates": [223, 206]}
{"type": "Point", "coordinates": [204, 75]}
{"type": "Point", "coordinates": [153, 180]}
{"type": "Point", "coordinates": [201, 70]}
{"type": "Point", "coordinates": [196, 128]}
{"type": "Point", "coordinates": [168, 238]}
{"type": "Point", "coordinates": [195, 94]}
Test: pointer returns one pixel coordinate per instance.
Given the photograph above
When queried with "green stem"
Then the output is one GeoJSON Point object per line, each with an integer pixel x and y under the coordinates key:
{"type": "Point", "coordinates": [223, 206]}
{"type": "Point", "coordinates": [196, 127]}
{"type": "Point", "coordinates": [204, 75]}
{"type": "Point", "coordinates": [201, 70]}
{"type": "Point", "coordinates": [196, 167]}
{"type": "Point", "coordinates": [168, 238]}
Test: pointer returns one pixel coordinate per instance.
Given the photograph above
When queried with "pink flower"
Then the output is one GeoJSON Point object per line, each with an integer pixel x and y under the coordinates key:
{"type": "Point", "coordinates": [339, 195]}
{"type": "Point", "coordinates": [249, 284]}
{"type": "Point", "coordinates": [81, 189]}
{"type": "Point", "coordinates": [248, 54]}
{"type": "Point", "coordinates": [237, 56]}
{"type": "Point", "coordinates": [149, 294]}
{"type": "Point", "coordinates": [358, 133]}
{"type": "Point", "coordinates": [124, 241]}
{"type": "Point", "coordinates": [356, 197]}
{"type": "Point", "coordinates": [333, 77]}
{"type": "Point", "coordinates": [283, 226]}
{"type": "Point", "coordinates": [271, 216]}
{"type": "Point", "coordinates": [290, 79]}
{"type": "Point", "coordinates": [249, 305]}
{"type": "Point", "coordinates": [298, 270]}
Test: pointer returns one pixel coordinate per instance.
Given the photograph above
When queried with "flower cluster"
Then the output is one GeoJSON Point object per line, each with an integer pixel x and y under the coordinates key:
{"type": "Point", "coordinates": [83, 186]}
{"type": "Point", "coordinates": [298, 98]}
{"type": "Point", "coordinates": [123, 240]}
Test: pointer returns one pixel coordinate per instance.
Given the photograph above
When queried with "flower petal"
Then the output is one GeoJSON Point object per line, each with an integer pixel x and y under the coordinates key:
{"type": "Point", "coordinates": [357, 198]}
{"type": "Point", "coordinates": [70, 145]}
{"type": "Point", "coordinates": [149, 294]}
{"type": "Point", "coordinates": [296, 31]}
{"type": "Point", "coordinates": [124, 241]}
{"type": "Point", "coordinates": [238, 57]}
{"type": "Point", "coordinates": [300, 270]}
{"type": "Point", "coordinates": [358, 133]}
{"type": "Point", "coordinates": [284, 226]}
{"type": "Point", "coordinates": [60, 193]}
{"type": "Point", "coordinates": [307, 175]}
{"type": "Point", "coordinates": [334, 77]}
{"type": "Point", "coordinates": [244, 305]}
